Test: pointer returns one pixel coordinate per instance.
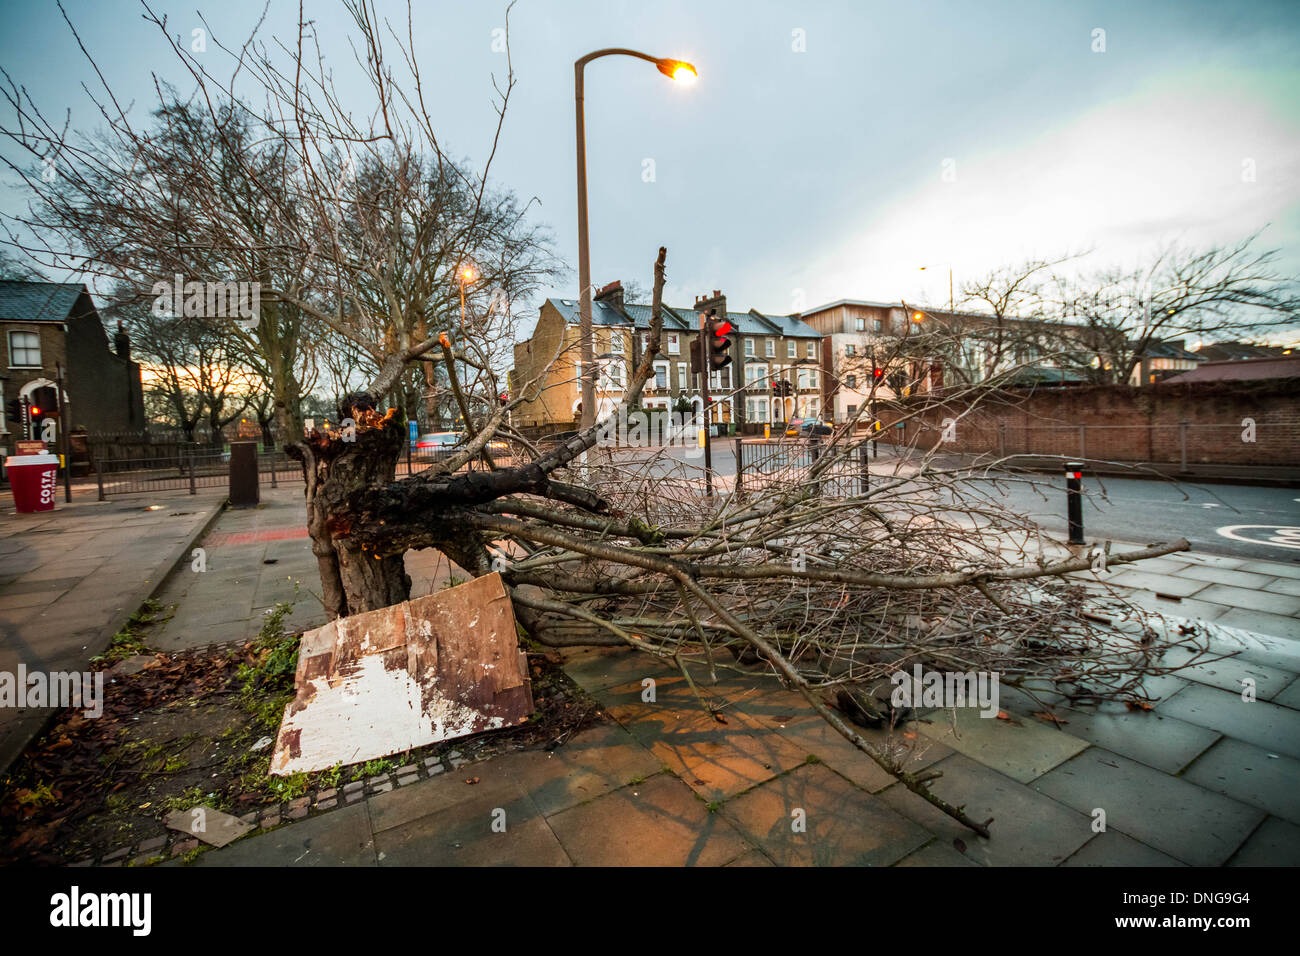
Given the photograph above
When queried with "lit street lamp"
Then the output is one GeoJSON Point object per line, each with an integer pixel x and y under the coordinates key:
{"type": "Point", "coordinates": [678, 70]}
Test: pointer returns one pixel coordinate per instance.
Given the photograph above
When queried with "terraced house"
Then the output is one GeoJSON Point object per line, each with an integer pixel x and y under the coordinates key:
{"type": "Point", "coordinates": [53, 328]}
{"type": "Point", "coordinates": [775, 374]}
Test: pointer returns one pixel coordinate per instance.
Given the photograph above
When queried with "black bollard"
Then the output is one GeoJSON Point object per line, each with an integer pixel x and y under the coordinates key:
{"type": "Point", "coordinates": [1074, 500]}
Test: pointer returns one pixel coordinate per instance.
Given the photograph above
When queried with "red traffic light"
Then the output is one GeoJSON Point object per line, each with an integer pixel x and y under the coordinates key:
{"type": "Point", "coordinates": [877, 373]}
{"type": "Point", "coordinates": [721, 328]}
{"type": "Point", "coordinates": [35, 410]}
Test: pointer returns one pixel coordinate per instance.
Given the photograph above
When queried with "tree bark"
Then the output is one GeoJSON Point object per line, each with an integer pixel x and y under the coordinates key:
{"type": "Point", "coordinates": [354, 578]}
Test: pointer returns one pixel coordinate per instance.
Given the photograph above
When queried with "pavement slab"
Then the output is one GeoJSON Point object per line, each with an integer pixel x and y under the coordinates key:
{"type": "Point", "coordinates": [1270, 781]}
{"type": "Point", "coordinates": [1029, 828]}
{"type": "Point", "coordinates": [1275, 729]}
{"type": "Point", "coordinates": [1275, 843]}
{"type": "Point", "coordinates": [1167, 813]}
{"type": "Point", "coordinates": [1113, 848]}
{"type": "Point", "coordinates": [656, 823]}
{"type": "Point", "coordinates": [1022, 748]}
{"type": "Point", "coordinates": [338, 838]}
{"type": "Point", "coordinates": [814, 817]}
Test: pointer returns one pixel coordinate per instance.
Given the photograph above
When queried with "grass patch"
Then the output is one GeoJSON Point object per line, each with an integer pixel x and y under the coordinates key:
{"type": "Point", "coordinates": [129, 641]}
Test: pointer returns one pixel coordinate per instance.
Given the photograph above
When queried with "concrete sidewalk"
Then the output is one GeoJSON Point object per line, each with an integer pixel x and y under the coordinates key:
{"type": "Point", "coordinates": [1206, 778]}
{"type": "Point", "coordinates": [72, 577]}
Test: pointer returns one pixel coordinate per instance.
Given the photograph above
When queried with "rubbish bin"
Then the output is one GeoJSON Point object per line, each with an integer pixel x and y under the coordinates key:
{"type": "Point", "coordinates": [34, 479]}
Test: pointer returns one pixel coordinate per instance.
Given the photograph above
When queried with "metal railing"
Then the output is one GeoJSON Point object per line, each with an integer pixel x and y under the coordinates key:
{"type": "Point", "coordinates": [777, 464]}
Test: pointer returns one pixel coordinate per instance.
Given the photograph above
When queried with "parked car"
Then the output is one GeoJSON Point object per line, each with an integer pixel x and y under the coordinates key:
{"type": "Point", "coordinates": [434, 441]}
{"type": "Point", "coordinates": [445, 441]}
{"type": "Point", "coordinates": [806, 427]}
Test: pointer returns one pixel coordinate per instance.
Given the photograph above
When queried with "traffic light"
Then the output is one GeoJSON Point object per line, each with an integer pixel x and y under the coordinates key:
{"type": "Point", "coordinates": [718, 329]}
{"type": "Point", "coordinates": [14, 411]}
{"type": "Point", "coordinates": [877, 374]}
{"type": "Point", "coordinates": [504, 398]}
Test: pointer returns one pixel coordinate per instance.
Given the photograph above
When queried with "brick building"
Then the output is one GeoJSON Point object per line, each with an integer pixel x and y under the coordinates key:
{"type": "Point", "coordinates": [776, 362]}
{"type": "Point", "coordinates": [906, 348]}
{"type": "Point", "coordinates": [48, 326]}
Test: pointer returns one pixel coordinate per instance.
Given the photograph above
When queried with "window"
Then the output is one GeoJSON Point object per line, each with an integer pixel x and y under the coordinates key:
{"type": "Point", "coordinates": [791, 349]}
{"type": "Point", "coordinates": [674, 344]}
{"type": "Point", "coordinates": [860, 325]}
{"type": "Point", "coordinates": [852, 410]}
{"type": "Point", "coordinates": [661, 374]}
{"type": "Point", "coordinates": [851, 381]}
{"type": "Point", "coordinates": [877, 325]}
{"type": "Point", "coordinates": [720, 381]}
{"type": "Point", "coordinates": [681, 377]}
{"type": "Point", "coordinates": [807, 378]}
{"type": "Point", "coordinates": [616, 342]}
{"type": "Point", "coordinates": [24, 350]}
{"type": "Point", "coordinates": [611, 375]}
{"type": "Point", "coordinates": [756, 410]}
{"type": "Point", "coordinates": [812, 350]}
{"type": "Point", "coordinates": [749, 348]}
{"type": "Point", "coordinates": [769, 348]}
{"type": "Point", "coordinates": [850, 350]}
{"type": "Point", "coordinates": [755, 373]}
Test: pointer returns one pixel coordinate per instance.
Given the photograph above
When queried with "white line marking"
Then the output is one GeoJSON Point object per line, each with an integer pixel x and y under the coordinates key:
{"type": "Point", "coordinates": [1283, 536]}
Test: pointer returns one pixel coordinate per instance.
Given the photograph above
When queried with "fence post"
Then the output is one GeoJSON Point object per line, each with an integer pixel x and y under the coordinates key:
{"type": "Point", "coordinates": [99, 479]}
{"type": "Point", "coordinates": [866, 473]}
{"type": "Point", "coordinates": [1074, 500]}
{"type": "Point", "coordinates": [740, 466]}
{"type": "Point", "coordinates": [1182, 444]}
{"type": "Point", "coordinates": [190, 455]}
{"type": "Point", "coordinates": [814, 449]}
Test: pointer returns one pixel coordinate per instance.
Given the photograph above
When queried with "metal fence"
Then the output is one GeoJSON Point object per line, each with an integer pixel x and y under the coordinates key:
{"type": "Point", "coordinates": [194, 470]}
{"type": "Point", "coordinates": [778, 464]}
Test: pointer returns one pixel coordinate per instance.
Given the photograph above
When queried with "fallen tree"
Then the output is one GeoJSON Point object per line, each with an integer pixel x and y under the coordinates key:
{"type": "Point", "coordinates": [833, 593]}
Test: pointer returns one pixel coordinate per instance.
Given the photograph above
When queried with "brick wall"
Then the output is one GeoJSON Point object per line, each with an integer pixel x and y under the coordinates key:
{"type": "Point", "coordinates": [1159, 423]}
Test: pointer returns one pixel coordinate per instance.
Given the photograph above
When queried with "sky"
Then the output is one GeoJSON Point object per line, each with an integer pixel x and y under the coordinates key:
{"type": "Point", "coordinates": [828, 150]}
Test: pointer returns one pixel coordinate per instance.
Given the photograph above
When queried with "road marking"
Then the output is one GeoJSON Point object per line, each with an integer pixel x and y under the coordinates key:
{"type": "Point", "coordinates": [1277, 536]}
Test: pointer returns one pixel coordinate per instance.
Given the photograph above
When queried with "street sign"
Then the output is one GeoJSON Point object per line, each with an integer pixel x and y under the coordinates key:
{"type": "Point", "coordinates": [29, 448]}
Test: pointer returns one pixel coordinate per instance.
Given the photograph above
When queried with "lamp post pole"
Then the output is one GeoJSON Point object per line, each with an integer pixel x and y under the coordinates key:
{"type": "Point", "coordinates": [677, 70]}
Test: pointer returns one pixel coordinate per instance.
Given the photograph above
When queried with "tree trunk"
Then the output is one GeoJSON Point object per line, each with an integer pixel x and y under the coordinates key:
{"type": "Point", "coordinates": [353, 579]}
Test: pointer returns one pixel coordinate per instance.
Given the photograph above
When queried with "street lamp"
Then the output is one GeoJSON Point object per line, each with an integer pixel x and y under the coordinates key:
{"type": "Point", "coordinates": [465, 275]}
{"type": "Point", "coordinates": [678, 70]}
{"type": "Point", "coordinates": [950, 296]}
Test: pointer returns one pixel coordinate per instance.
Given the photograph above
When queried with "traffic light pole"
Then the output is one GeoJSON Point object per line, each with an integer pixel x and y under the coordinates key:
{"type": "Point", "coordinates": [706, 367]}
{"type": "Point", "coordinates": [63, 436]}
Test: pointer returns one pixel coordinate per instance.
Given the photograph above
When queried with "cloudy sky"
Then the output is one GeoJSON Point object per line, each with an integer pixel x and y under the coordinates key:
{"type": "Point", "coordinates": [829, 149]}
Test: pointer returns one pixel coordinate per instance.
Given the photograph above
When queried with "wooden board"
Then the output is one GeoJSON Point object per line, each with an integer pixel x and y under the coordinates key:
{"type": "Point", "coordinates": [405, 676]}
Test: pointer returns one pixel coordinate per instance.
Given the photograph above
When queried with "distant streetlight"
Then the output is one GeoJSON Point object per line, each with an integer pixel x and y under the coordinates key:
{"type": "Point", "coordinates": [950, 296]}
{"type": "Point", "coordinates": [678, 70]}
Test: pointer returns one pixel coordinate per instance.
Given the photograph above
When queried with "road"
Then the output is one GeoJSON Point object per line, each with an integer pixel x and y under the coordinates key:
{"type": "Point", "coordinates": [1244, 521]}
{"type": "Point", "coordinates": [1215, 518]}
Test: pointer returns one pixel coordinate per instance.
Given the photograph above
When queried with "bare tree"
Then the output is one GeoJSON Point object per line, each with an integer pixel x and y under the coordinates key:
{"type": "Point", "coordinates": [1223, 292]}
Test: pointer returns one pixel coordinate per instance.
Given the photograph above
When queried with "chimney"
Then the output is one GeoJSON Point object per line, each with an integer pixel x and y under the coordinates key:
{"type": "Point", "coordinates": [716, 301]}
{"type": "Point", "coordinates": [122, 343]}
{"type": "Point", "coordinates": [612, 295]}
